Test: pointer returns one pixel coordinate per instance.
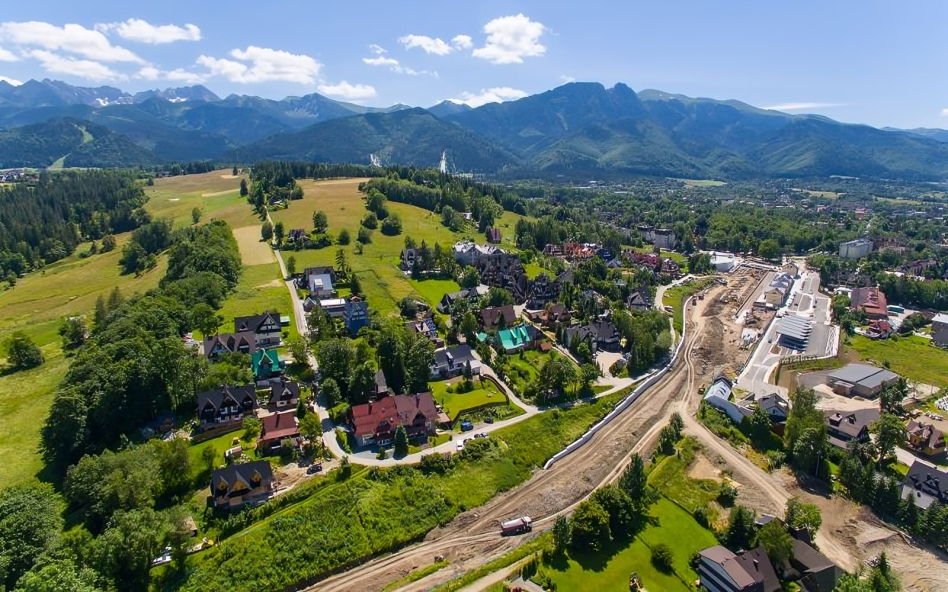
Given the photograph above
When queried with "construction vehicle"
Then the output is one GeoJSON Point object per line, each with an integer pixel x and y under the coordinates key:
{"type": "Point", "coordinates": [516, 526]}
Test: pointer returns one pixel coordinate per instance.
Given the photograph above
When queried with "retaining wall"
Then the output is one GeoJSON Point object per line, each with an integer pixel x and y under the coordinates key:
{"type": "Point", "coordinates": [624, 403]}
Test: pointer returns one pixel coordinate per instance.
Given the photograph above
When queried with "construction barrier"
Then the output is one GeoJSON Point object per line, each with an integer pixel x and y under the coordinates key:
{"type": "Point", "coordinates": [624, 403]}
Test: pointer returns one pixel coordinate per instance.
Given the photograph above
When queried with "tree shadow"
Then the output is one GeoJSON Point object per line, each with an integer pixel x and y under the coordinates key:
{"type": "Point", "coordinates": [598, 560]}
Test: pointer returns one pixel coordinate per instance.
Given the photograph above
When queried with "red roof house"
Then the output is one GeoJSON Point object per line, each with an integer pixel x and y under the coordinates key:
{"type": "Point", "coordinates": [376, 422]}
{"type": "Point", "coordinates": [277, 427]}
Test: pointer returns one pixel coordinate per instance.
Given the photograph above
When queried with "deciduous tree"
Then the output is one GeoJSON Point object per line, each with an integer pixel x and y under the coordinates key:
{"type": "Point", "coordinates": [22, 353]}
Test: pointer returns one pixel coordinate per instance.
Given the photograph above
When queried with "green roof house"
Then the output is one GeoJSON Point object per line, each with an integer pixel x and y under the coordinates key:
{"type": "Point", "coordinates": [265, 363]}
{"type": "Point", "coordinates": [517, 338]}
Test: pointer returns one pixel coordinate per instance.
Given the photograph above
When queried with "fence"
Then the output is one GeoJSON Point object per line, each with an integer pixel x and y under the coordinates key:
{"type": "Point", "coordinates": [624, 404]}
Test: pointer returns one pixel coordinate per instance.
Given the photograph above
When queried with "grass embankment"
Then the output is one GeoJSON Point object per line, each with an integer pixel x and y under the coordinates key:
{"type": "Point", "coordinates": [913, 357]}
{"type": "Point", "coordinates": [675, 297]}
{"type": "Point", "coordinates": [377, 510]}
{"type": "Point", "coordinates": [670, 476]}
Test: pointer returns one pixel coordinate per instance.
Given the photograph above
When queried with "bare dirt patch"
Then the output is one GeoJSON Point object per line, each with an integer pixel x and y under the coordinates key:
{"type": "Point", "coordinates": [253, 251]}
{"type": "Point", "coordinates": [217, 193]}
{"type": "Point", "coordinates": [270, 284]}
{"type": "Point", "coordinates": [702, 468]}
{"type": "Point", "coordinates": [230, 177]}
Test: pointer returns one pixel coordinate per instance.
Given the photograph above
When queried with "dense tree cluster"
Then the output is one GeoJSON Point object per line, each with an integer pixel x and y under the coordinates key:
{"type": "Point", "coordinates": [134, 365]}
{"type": "Point", "coordinates": [43, 223]}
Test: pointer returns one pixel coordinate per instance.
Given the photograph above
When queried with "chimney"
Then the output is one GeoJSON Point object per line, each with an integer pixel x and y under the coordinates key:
{"type": "Point", "coordinates": [756, 565]}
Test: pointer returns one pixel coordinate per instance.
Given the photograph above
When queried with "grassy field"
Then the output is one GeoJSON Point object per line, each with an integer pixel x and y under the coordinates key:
{"type": "Point", "coordinates": [523, 371]}
{"type": "Point", "coordinates": [377, 267]}
{"type": "Point", "coordinates": [260, 288]}
{"type": "Point", "coordinates": [913, 357]}
{"type": "Point", "coordinates": [215, 193]}
{"type": "Point", "coordinates": [610, 569]}
{"type": "Point", "coordinates": [700, 182]}
{"type": "Point", "coordinates": [36, 306]}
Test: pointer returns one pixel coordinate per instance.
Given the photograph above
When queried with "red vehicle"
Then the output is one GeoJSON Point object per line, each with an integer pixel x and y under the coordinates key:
{"type": "Point", "coordinates": [516, 526]}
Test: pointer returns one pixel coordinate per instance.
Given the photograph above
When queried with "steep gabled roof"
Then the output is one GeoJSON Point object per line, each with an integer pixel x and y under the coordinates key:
{"type": "Point", "coordinates": [235, 479]}
{"type": "Point", "coordinates": [217, 397]}
{"type": "Point", "coordinates": [254, 322]}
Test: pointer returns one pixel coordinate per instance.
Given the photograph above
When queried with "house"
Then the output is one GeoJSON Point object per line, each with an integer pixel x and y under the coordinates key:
{"type": "Point", "coordinates": [578, 252]}
{"type": "Point", "coordinates": [406, 259]}
{"type": "Point", "coordinates": [543, 290]}
{"type": "Point", "coordinates": [639, 300]}
{"type": "Point", "coordinates": [517, 338]}
{"type": "Point", "coordinates": [940, 330]}
{"type": "Point", "coordinates": [757, 564]}
{"type": "Point", "coordinates": [226, 405]}
{"type": "Point", "coordinates": [846, 426]}
{"type": "Point", "coordinates": [720, 570]}
{"type": "Point", "coordinates": [493, 236]}
{"type": "Point", "coordinates": [926, 484]}
{"type": "Point", "coordinates": [380, 385]}
{"type": "Point", "coordinates": [265, 363]}
{"type": "Point", "coordinates": [238, 484]}
{"type": "Point", "coordinates": [718, 395]}
{"type": "Point", "coordinates": [662, 238]}
{"type": "Point", "coordinates": [275, 428]}
{"type": "Point", "coordinates": [554, 315]}
{"type": "Point", "coordinates": [319, 281]}
{"type": "Point", "coordinates": [879, 330]}
{"type": "Point", "coordinates": [335, 308]}
{"type": "Point", "coordinates": [551, 250]}
{"type": "Point", "coordinates": [453, 360]}
{"type": "Point", "coordinates": [818, 573]}
{"type": "Point", "coordinates": [860, 380]}
{"type": "Point", "coordinates": [503, 270]}
{"type": "Point", "coordinates": [870, 300]}
{"type": "Point", "coordinates": [925, 438]}
{"type": "Point", "coordinates": [266, 327]}
{"type": "Point", "coordinates": [496, 317]}
{"type": "Point", "coordinates": [284, 393]}
{"type": "Point", "coordinates": [448, 300]}
{"type": "Point", "coordinates": [356, 315]}
{"type": "Point", "coordinates": [605, 334]}
{"type": "Point", "coordinates": [469, 253]}
{"type": "Point", "coordinates": [776, 406]}
{"type": "Point", "coordinates": [671, 267]}
{"type": "Point", "coordinates": [376, 422]}
{"type": "Point", "coordinates": [214, 347]}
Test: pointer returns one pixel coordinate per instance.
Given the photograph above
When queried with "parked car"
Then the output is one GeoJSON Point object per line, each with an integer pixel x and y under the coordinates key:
{"type": "Point", "coordinates": [466, 426]}
{"type": "Point", "coordinates": [460, 446]}
{"type": "Point", "coordinates": [489, 419]}
{"type": "Point", "coordinates": [313, 469]}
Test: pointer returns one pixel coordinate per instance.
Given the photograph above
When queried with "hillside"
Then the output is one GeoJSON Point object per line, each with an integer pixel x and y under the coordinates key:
{"type": "Point", "coordinates": [409, 137]}
{"type": "Point", "coordinates": [82, 143]}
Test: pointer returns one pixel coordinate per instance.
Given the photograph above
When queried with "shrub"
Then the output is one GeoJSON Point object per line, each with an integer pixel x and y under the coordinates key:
{"type": "Point", "coordinates": [702, 516]}
{"type": "Point", "coordinates": [662, 558]}
{"type": "Point", "coordinates": [727, 495]}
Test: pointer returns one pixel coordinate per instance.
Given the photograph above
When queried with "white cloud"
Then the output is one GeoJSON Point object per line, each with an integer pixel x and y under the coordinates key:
{"type": "Point", "coordinates": [462, 42]}
{"type": "Point", "coordinates": [435, 46]}
{"type": "Point", "coordinates": [7, 56]}
{"type": "Point", "coordinates": [377, 49]}
{"type": "Point", "coordinates": [944, 112]}
{"type": "Point", "coordinates": [567, 79]}
{"type": "Point", "coordinates": [264, 65]}
{"type": "Point", "coordinates": [510, 39]}
{"type": "Point", "coordinates": [70, 38]}
{"type": "Point", "coordinates": [489, 95]}
{"type": "Point", "coordinates": [145, 32]}
{"type": "Point", "coordinates": [804, 106]}
{"type": "Point", "coordinates": [351, 92]}
{"type": "Point", "coordinates": [380, 61]}
{"type": "Point", "coordinates": [12, 81]}
{"type": "Point", "coordinates": [177, 75]}
{"type": "Point", "coordinates": [60, 64]}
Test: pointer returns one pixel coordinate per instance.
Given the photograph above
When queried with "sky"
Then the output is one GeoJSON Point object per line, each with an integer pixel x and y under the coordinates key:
{"type": "Point", "coordinates": [867, 61]}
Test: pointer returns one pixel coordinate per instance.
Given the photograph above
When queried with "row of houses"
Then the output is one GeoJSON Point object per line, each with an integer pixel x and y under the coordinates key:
{"type": "Point", "coordinates": [721, 570]}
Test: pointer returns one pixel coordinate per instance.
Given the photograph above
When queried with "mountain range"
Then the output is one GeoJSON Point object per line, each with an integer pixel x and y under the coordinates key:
{"type": "Point", "coordinates": [576, 130]}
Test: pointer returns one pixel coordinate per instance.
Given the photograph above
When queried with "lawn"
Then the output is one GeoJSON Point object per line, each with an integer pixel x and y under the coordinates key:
{"type": "Point", "coordinates": [610, 569]}
{"type": "Point", "coordinates": [484, 393]}
{"type": "Point", "coordinates": [523, 371]}
{"type": "Point", "coordinates": [433, 290]}
{"type": "Point", "coordinates": [913, 357]}
{"type": "Point", "coordinates": [700, 182]}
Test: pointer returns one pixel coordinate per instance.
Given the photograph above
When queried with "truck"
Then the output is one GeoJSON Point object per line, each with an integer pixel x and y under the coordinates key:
{"type": "Point", "coordinates": [516, 526]}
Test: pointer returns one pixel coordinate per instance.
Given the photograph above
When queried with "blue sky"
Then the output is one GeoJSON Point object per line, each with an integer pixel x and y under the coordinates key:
{"type": "Point", "coordinates": [881, 63]}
